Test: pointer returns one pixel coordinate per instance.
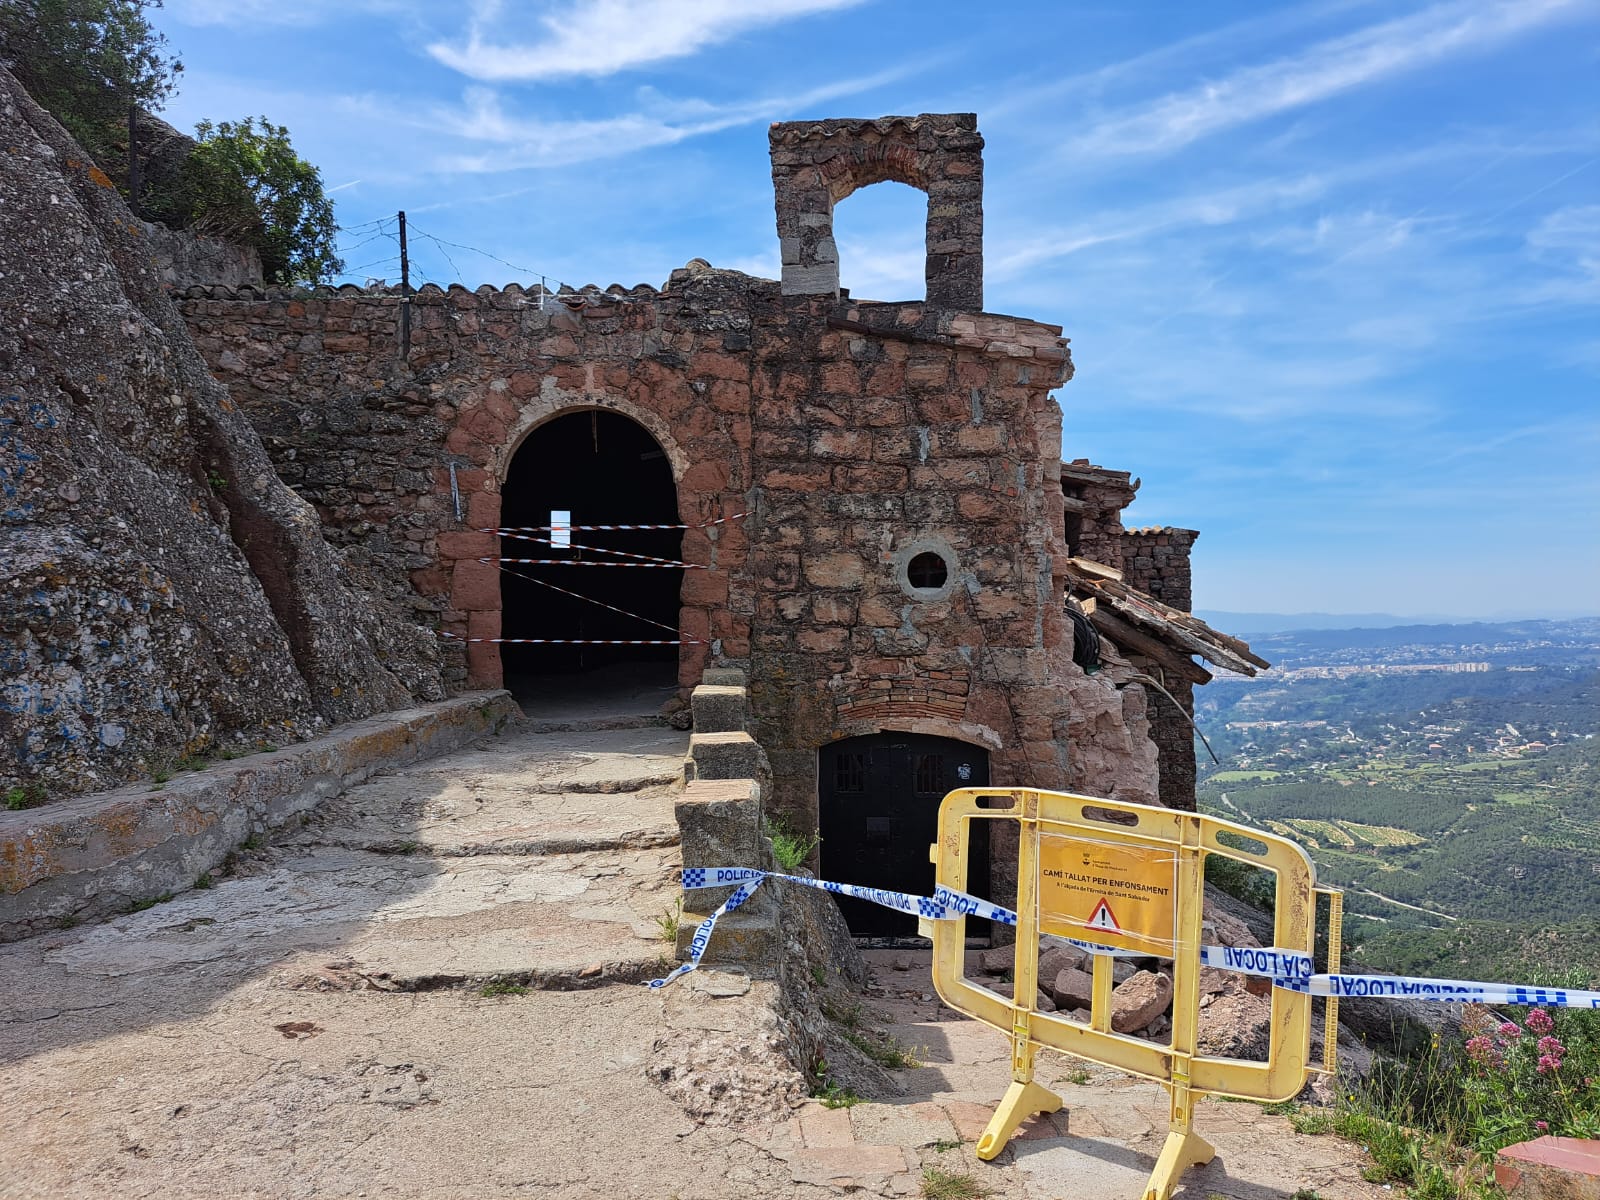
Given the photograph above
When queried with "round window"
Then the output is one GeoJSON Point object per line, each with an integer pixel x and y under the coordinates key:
{"type": "Point", "coordinates": [927, 570]}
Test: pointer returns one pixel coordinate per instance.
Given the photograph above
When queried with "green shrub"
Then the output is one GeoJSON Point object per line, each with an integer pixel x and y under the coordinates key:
{"type": "Point", "coordinates": [790, 849]}
{"type": "Point", "coordinates": [24, 795]}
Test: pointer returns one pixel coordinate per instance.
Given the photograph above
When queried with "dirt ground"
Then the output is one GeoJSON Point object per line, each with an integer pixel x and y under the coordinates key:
{"type": "Point", "coordinates": [316, 1024]}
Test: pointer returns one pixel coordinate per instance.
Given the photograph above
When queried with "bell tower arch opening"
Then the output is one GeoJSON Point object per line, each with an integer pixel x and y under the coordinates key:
{"type": "Point", "coordinates": [599, 607]}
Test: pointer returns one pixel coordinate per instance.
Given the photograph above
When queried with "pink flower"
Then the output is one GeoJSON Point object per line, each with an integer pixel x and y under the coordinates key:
{"type": "Point", "coordinates": [1483, 1052]}
{"type": "Point", "coordinates": [1510, 1029]}
{"type": "Point", "coordinates": [1539, 1021]}
{"type": "Point", "coordinates": [1551, 1046]}
{"type": "Point", "coordinates": [1548, 1063]}
{"type": "Point", "coordinates": [1542, 1126]}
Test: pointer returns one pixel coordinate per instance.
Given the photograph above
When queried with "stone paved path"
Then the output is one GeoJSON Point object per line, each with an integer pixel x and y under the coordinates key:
{"type": "Point", "coordinates": [314, 1024]}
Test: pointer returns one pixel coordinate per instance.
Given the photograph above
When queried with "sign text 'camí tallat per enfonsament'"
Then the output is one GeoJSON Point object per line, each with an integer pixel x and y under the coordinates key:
{"type": "Point", "coordinates": [1118, 896]}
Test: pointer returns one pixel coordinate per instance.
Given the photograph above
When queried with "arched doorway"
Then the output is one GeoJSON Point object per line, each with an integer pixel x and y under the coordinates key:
{"type": "Point", "coordinates": [878, 813]}
{"type": "Point", "coordinates": [576, 471]}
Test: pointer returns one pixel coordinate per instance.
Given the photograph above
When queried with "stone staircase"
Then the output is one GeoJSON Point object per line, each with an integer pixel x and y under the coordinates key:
{"type": "Point", "coordinates": [429, 988]}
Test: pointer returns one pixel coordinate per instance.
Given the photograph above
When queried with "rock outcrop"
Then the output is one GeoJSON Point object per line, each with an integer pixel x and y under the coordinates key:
{"type": "Point", "coordinates": [161, 590]}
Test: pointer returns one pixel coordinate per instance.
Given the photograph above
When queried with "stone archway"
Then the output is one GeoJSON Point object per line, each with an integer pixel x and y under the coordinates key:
{"type": "Point", "coordinates": [594, 599]}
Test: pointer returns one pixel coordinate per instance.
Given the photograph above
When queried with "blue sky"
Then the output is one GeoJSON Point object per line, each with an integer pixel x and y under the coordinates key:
{"type": "Point", "coordinates": [1331, 270]}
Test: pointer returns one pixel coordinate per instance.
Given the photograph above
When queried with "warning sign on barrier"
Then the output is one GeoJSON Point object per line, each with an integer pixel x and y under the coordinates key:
{"type": "Point", "coordinates": [1119, 896]}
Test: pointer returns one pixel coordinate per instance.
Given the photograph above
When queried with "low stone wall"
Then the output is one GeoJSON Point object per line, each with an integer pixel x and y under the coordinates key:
{"type": "Point", "coordinates": [720, 825]}
{"type": "Point", "coordinates": [94, 856]}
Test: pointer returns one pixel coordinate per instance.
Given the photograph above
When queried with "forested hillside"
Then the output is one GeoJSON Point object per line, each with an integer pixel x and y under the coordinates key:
{"type": "Point", "coordinates": [1459, 808]}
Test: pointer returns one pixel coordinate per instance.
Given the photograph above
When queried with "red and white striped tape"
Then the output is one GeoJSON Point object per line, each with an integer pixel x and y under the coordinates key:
{"type": "Point", "coordinates": [455, 637]}
{"type": "Point", "coordinates": [507, 530]}
{"type": "Point", "coordinates": [581, 562]}
{"type": "Point", "coordinates": [580, 596]}
{"type": "Point", "coordinates": [651, 559]}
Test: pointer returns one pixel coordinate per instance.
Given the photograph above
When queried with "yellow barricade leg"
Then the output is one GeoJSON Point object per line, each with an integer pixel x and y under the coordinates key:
{"type": "Point", "coordinates": [1182, 1151]}
{"type": "Point", "coordinates": [1024, 1097]}
{"type": "Point", "coordinates": [1022, 1100]}
{"type": "Point", "coordinates": [1184, 1148]}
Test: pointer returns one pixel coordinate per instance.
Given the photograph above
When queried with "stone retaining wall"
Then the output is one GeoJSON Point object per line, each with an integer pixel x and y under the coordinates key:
{"type": "Point", "coordinates": [98, 855]}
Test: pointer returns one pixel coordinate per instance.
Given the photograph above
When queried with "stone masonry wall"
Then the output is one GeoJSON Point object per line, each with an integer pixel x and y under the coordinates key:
{"type": "Point", "coordinates": [369, 437]}
{"type": "Point", "coordinates": [864, 440]}
{"type": "Point", "coordinates": [1093, 499]}
{"type": "Point", "coordinates": [816, 164]}
{"type": "Point", "coordinates": [1156, 561]}
{"type": "Point", "coordinates": [853, 448]}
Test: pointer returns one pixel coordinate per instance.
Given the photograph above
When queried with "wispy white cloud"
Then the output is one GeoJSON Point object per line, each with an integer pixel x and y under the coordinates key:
{"type": "Point", "coordinates": [602, 37]}
{"type": "Point", "coordinates": [1568, 241]}
{"type": "Point", "coordinates": [1337, 65]}
{"type": "Point", "coordinates": [518, 142]}
{"type": "Point", "coordinates": [1222, 206]}
{"type": "Point", "coordinates": [1231, 40]}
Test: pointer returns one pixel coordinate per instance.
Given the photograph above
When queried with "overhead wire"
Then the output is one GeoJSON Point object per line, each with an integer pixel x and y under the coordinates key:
{"type": "Point", "coordinates": [379, 262]}
{"type": "Point", "coordinates": [441, 243]}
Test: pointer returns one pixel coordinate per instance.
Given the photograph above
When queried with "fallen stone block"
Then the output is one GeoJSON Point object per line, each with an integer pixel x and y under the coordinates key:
{"type": "Point", "coordinates": [998, 960]}
{"type": "Point", "coordinates": [1139, 1000]}
{"type": "Point", "coordinates": [1072, 988]}
{"type": "Point", "coordinates": [1056, 959]}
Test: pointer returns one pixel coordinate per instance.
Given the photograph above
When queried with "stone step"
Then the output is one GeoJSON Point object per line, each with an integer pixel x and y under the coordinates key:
{"type": "Point", "coordinates": [639, 839]}
{"type": "Point", "coordinates": [411, 921]}
{"type": "Point", "coordinates": [546, 725]}
{"type": "Point", "coordinates": [482, 814]}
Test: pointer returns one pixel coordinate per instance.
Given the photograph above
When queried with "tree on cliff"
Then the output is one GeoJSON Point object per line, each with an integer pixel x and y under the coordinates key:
{"type": "Point", "coordinates": [88, 63]}
{"type": "Point", "coordinates": [249, 185]}
{"type": "Point", "coordinates": [100, 68]}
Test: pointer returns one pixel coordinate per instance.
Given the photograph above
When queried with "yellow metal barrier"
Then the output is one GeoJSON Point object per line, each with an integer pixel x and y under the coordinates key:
{"type": "Point", "coordinates": [1129, 876]}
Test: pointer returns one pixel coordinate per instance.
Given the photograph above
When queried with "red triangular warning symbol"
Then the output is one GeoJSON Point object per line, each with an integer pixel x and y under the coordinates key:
{"type": "Point", "coordinates": [1102, 919]}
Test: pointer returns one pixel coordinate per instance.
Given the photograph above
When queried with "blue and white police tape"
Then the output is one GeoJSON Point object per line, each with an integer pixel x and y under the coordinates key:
{"type": "Point", "coordinates": [1292, 970]}
{"type": "Point", "coordinates": [946, 904]}
{"type": "Point", "coordinates": [1454, 991]}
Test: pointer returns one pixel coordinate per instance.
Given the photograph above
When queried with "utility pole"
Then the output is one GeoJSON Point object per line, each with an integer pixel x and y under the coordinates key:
{"type": "Point", "coordinates": [405, 293]}
{"type": "Point", "coordinates": [133, 157]}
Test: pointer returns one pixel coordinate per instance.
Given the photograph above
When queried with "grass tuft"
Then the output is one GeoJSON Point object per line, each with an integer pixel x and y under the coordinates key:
{"type": "Point", "coordinates": [502, 987]}
{"type": "Point", "coordinates": [668, 923]}
{"type": "Point", "coordinates": [790, 848]}
{"type": "Point", "coordinates": [142, 905]}
{"type": "Point", "coordinates": [884, 1050]}
{"type": "Point", "coordinates": [940, 1184]}
{"type": "Point", "coordinates": [831, 1094]}
{"type": "Point", "coordinates": [24, 795]}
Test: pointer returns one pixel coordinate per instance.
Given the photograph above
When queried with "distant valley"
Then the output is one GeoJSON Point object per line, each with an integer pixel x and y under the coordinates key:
{"type": "Point", "coordinates": [1447, 776]}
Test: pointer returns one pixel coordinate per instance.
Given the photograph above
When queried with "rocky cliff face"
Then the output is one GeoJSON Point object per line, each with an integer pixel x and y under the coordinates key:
{"type": "Point", "coordinates": [161, 590]}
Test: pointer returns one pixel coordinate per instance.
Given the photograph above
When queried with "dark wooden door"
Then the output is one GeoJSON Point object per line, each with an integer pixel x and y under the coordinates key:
{"type": "Point", "coordinates": [878, 813]}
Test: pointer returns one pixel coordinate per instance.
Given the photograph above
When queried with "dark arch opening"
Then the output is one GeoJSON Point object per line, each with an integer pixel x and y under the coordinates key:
{"type": "Point", "coordinates": [878, 801]}
{"type": "Point", "coordinates": [603, 469]}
